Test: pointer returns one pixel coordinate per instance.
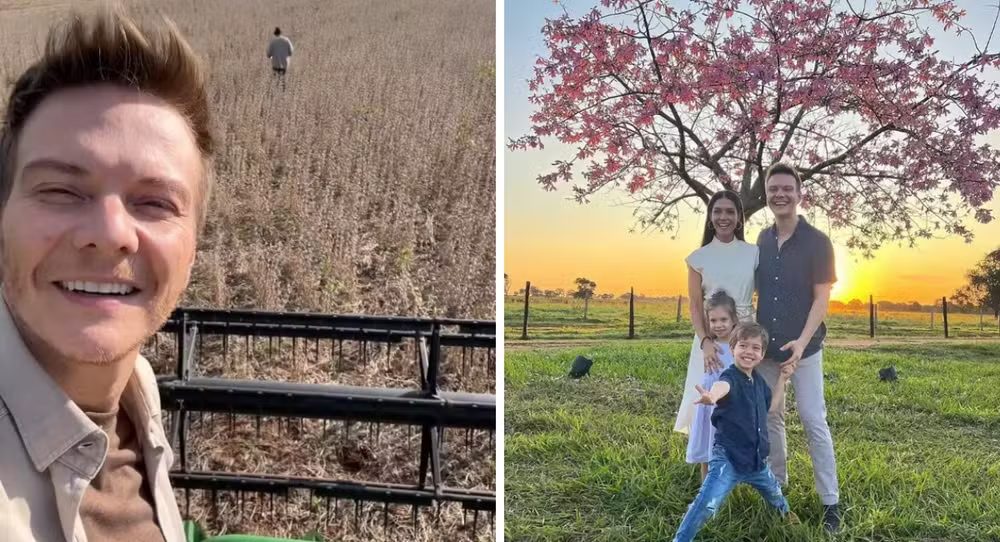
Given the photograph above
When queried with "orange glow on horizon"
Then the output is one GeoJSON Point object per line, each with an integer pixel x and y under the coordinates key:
{"type": "Point", "coordinates": [551, 242]}
{"type": "Point", "coordinates": [843, 285]}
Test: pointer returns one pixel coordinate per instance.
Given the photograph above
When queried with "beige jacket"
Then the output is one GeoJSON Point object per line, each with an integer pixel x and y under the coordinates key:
{"type": "Point", "coordinates": [50, 450]}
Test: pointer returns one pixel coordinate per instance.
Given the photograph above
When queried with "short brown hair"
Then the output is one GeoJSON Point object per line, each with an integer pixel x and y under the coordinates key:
{"type": "Point", "coordinates": [782, 167]}
{"type": "Point", "coordinates": [110, 47]}
{"type": "Point", "coordinates": [748, 330]}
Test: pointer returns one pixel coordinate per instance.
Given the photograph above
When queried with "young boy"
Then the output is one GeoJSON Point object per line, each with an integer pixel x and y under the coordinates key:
{"type": "Point", "coordinates": [742, 401]}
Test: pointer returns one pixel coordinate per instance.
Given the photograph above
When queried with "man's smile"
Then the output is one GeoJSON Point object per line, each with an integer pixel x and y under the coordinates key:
{"type": "Point", "coordinates": [98, 287]}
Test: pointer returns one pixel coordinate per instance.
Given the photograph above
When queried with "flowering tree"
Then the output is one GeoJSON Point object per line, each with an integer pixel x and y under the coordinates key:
{"type": "Point", "coordinates": [674, 103]}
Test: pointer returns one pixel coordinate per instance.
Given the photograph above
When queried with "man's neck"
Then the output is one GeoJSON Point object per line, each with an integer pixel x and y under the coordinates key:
{"type": "Point", "coordinates": [93, 387]}
{"type": "Point", "coordinates": [786, 224]}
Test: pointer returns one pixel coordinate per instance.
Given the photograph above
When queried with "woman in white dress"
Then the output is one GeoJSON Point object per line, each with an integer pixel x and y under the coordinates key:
{"type": "Point", "coordinates": [725, 261]}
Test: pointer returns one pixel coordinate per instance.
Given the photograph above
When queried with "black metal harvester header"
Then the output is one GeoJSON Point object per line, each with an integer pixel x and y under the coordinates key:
{"type": "Point", "coordinates": [427, 407]}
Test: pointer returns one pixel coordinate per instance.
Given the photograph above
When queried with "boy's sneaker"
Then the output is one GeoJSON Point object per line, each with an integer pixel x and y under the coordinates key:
{"type": "Point", "coordinates": [831, 518]}
{"type": "Point", "coordinates": [792, 519]}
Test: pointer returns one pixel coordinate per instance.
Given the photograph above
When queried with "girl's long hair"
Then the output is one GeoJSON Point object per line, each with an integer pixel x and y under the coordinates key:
{"type": "Point", "coordinates": [709, 234]}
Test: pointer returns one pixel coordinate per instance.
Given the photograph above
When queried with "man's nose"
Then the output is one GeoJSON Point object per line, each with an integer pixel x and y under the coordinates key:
{"type": "Point", "coordinates": [108, 227]}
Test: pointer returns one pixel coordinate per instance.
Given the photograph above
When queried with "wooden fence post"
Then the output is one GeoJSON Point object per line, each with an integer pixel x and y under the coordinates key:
{"type": "Point", "coordinates": [679, 308]}
{"type": "Point", "coordinates": [932, 318]}
{"type": "Point", "coordinates": [871, 316]}
{"type": "Point", "coordinates": [527, 294]}
{"type": "Point", "coordinates": [980, 318]}
{"type": "Point", "coordinates": [631, 314]}
{"type": "Point", "coordinates": [944, 315]}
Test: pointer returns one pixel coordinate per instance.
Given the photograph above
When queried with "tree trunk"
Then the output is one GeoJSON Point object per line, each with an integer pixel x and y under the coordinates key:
{"type": "Point", "coordinates": [753, 202]}
{"type": "Point", "coordinates": [586, 304]}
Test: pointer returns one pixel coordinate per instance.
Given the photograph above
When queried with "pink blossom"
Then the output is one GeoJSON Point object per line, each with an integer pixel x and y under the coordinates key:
{"type": "Point", "coordinates": [888, 144]}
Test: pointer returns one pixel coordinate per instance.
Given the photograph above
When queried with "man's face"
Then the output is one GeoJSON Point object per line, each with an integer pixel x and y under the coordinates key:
{"type": "Point", "coordinates": [782, 195]}
{"type": "Point", "coordinates": [98, 235]}
{"type": "Point", "coordinates": [748, 353]}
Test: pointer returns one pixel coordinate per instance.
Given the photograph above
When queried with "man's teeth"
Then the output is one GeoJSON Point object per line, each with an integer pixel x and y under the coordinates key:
{"type": "Point", "coordinates": [97, 287]}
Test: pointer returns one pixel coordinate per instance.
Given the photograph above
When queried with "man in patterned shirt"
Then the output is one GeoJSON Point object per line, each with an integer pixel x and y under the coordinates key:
{"type": "Point", "coordinates": [794, 277]}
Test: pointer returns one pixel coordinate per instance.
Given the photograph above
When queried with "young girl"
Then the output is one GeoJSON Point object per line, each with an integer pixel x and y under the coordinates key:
{"type": "Point", "coordinates": [721, 318]}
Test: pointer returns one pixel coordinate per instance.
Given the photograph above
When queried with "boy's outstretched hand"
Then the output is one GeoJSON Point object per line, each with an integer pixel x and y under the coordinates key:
{"type": "Point", "coordinates": [706, 397]}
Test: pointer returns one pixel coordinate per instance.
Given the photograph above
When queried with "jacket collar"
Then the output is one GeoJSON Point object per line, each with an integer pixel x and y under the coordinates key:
{"type": "Point", "coordinates": [50, 424]}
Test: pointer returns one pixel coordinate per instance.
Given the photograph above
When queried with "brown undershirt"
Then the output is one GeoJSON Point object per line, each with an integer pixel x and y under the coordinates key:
{"type": "Point", "coordinates": [117, 505]}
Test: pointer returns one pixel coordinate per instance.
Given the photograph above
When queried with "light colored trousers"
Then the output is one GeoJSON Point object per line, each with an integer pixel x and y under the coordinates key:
{"type": "Point", "coordinates": [808, 382]}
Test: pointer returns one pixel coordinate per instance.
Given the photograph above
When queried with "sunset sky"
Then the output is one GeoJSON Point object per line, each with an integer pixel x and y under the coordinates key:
{"type": "Point", "coordinates": [551, 240]}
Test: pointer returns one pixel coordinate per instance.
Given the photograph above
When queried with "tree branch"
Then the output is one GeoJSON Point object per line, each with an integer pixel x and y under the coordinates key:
{"type": "Point", "coordinates": [809, 172]}
{"type": "Point", "coordinates": [666, 205]}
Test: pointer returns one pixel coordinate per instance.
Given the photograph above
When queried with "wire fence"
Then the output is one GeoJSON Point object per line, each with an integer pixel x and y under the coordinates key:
{"type": "Point", "coordinates": [533, 316]}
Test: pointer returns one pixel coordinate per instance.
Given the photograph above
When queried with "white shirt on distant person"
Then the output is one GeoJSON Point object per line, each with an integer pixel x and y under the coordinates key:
{"type": "Point", "coordinates": [279, 51]}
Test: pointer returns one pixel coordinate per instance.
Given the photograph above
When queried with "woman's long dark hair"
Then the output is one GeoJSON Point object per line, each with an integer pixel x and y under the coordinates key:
{"type": "Point", "coordinates": [709, 229]}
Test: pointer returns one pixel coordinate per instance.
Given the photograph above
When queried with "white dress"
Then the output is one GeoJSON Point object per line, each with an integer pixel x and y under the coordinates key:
{"type": "Point", "coordinates": [722, 266]}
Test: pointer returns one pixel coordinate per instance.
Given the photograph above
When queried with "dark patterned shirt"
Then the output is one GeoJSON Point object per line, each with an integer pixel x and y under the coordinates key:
{"type": "Point", "coordinates": [785, 279]}
{"type": "Point", "coordinates": [740, 420]}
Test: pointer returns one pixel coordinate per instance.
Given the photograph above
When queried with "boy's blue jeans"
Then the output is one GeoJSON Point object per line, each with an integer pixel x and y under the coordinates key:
{"type": "Point", "coordinates": [721, 480]}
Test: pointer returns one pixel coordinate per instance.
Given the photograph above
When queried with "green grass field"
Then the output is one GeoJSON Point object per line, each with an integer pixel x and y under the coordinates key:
{"type": "Point", "coordinates": [596, 460]}
{"type": "Point", "coordinates": [562, 318]}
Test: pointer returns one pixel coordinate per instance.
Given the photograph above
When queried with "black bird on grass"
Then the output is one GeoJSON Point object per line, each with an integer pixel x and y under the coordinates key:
{"type": "Point", "coordinates": [581, 367]}
{"type": "Point", "coordinates": [888, 374]}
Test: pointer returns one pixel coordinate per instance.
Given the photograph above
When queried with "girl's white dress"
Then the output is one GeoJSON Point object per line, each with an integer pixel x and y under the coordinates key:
{"type": "Point", "coordinates": [702, 431]}
{"type": "Point", "coordinates": [722, 266]}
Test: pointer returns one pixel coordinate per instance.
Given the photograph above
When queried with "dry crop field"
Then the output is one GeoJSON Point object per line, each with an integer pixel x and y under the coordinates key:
{"type": "Point", "coordinates": [367, 186]}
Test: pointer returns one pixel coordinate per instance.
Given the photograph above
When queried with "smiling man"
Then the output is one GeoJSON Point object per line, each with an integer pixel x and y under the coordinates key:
{"type": "Point", "coordinates": [794, 277]}
{"type": "Point", "coordinates": [105, 155]}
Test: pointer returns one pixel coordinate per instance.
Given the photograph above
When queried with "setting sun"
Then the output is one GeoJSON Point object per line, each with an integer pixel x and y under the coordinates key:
{"type": "Point", "coordinates": [841, 288]}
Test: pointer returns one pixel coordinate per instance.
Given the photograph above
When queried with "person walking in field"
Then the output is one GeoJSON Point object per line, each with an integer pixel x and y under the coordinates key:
{"type": "Point", "coordinates": [794, 279]}
{"type": "Point", "coordinates": [280, 52]}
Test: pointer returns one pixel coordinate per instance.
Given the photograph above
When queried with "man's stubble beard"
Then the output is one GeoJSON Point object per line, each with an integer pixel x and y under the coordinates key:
{"type": "Point", "coordinates": [13, 287]}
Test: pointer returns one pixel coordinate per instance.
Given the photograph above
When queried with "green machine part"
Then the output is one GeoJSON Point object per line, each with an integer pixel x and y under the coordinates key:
{"type": "Point", "coordinates": [194, 533]}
